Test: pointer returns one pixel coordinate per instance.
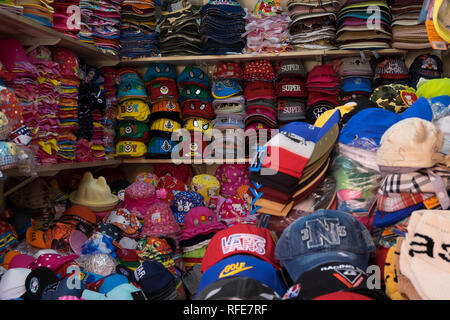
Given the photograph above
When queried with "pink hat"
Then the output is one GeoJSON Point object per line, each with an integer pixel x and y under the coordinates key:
{"type": "Point", "coordinates": [138, 197]}
{"type": "Point", "coordinates": [159, 221]}
{"type": "Point", "coordinates": [70, 298]}
{"type": "Point", "coordinates": [148, 177]}
{"type": "Point", "coordinates": [11, 51]}
{"type": "Point", "coordinates": [76, 241]}
{"type": "Point", "coordinates": [234, 211]}
{"type": "Point", "coordinates": [200, 220]}
{"type": "Point", "coordinates": [52, 261]}
{"type": "Point", "coordinates": [21, 261]}
{"type": "Point", "coordinates": [231, 177]}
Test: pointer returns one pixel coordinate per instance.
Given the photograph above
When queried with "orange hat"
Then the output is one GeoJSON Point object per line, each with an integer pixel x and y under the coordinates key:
{"type": "Point", "coordinates": [35, 237]}
{"type": "Point", "coordinates": [8, 257]}
{"type": "Point", "coordinates": [82, 212]}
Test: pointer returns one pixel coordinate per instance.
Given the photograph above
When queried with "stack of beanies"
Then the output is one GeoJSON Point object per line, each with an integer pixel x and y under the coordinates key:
{"type": "Point", "coordinates": [267, 29]}
{"type": "Point", "coordinates": [133, 115]}
{"type": "Point", "coordinates": [21, 77]}
{"type": "Point", "coordinates": [291, 91]}
{"type": "Point", "coordinates": [324, 87]}
{"type": "Point", "coordinates": [42, 12]}
{"type": "Point", "coordinates": [261, 277]}
{"type": "Point", "coordinates": [221, 28]}
{"type": "Point", "coordinates": [261, 97]}
{"type": "Point", "coordinates": [200, 225]}
{"type": "Point", "coordinates": [357, 28]}
{"type": "Point", "coordinates": [85, 34]}
{"type": "Point", "coordinates": [391, 70]}
{"type": "Point", "coordinates": [293, 165]}
{"type": "Point", "coordinates": [138, 35]}
{"type": "Point", "coordinates": [179, 29]}
{"type": "Point", "coordinates": [111, 82]}
{"type": "Point", "coordinates": [62, 21]}
{"type": "Point", "coordinates": [196, 110]}
{"type": "Point", "coordinates": [313, 23]}
{"type": "Point", "coordinates": [409, 158]}
{"type": "Point", "coordinates": [320, 251]}
{"type": "Point", "coordinates": [91, 105]}
{"type": "Point", "coordinates": [161, 85]}
{"type": "Point", "coordinates": [68, 102]}
{"type": "Point", "coordinates": [48, 100]}
{"type": "Point", "coordinates": [356, 76]}
{"type": "Point", "coordinates": [104, 24]}
{"type": "Point", "coordinates": [229, 108]}
{"type": "Point", "coordinates": [408, 30]}
{"type": "Point", "coordinates": [426, 66]}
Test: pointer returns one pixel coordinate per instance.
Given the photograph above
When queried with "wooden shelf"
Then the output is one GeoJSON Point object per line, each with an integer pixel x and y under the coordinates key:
{"type": "Point", "coordinates": [186, 161]}
{"type": "Point", "coordinates": [31, 33]}
{"type": "Point", "coordinates": [184, 60]}
{"type": "Point", "coordinates": [51, 170]}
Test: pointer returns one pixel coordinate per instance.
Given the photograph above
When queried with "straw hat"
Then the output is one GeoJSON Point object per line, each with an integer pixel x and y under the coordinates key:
{"type": "Point", "coordinates": [94, 194]}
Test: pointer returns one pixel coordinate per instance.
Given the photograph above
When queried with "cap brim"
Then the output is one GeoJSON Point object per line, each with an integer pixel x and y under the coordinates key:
{"type": "Point", "coordinates": [296, 267]}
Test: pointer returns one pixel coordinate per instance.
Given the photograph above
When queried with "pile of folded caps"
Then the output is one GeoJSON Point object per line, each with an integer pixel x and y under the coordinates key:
{"type": "Point", "coordinates": [48, 103]}
{"type": "Point", "coordinates": [221, 28]}
{"type": "Point", "coordinates": [21, 77]}
{"type": "Point", "coordinates": [105, 25]}
{"type": "Point", "coordinates": [391, 70]}
{"type": "Point", "coordinates": [133, 115]}
{"type": "Point", "coordinates": [196, 110]}
{"type": "Point", "coordinates": [68, 102]}
{"type": "Point", "coordinates": [40, 11]}
{"type": "Point", "coordinates": [356, 76]}
{"type": "Point", "coordinates": [408, 30]}
{"type": "Point", "coordinates": [293, 165]}
{"type": "Point", "coordinates": [414, 189]}
{"type": "Point", "coordinates": [364, 25]}
{"type": "Point", "coordinates": [313, 23]}
{"type": "Point", "coordinates": [111, 81]}
{"type": "Point", "coordinates": [62, 18]}
{"type": "Point", "coordinates": [229, 108]}
{"type": "Point", "coordinates": [11, 6]}
{"type": "Point", "coordinates": [138, 35]}
{"type": "Point", "coordinates": [261, 106]}
{"type": "Point", "coordinates": [179, 29]}
{"type": "Point", "coordinates": [267, 29]}
{"type": "Point", "coordinates": [261, 277]}
{"type": "Point", "coordinates": [161, 84]}
{"type": "Point", "coordinates": [324, 86]}
{"type": "Point", "coordinates": [291, 91]}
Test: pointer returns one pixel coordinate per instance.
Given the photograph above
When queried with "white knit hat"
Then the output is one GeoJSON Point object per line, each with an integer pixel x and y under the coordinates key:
{"type": "Point", "coordinates": [413, 142]}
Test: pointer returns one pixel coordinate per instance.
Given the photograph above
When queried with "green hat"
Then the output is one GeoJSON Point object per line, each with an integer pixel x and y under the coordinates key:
{"type": "Point", "coordinates": [394, 97]}
{"type": "Point", "coordinates": [132, 130]}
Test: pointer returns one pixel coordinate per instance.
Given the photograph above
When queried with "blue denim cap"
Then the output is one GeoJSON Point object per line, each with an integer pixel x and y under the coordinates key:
{"type": "Point", "coordinates": [322, 237]}
{"type": "Point", "coordinates": [240, 265]}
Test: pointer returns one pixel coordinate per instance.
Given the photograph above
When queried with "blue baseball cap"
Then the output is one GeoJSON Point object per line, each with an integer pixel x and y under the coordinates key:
{"type": "Point", "coordinates": [226, 88]}
{"type": "Point", "coordinates": [125, 291]}
{"type": "Point", "coordinates": [370, 124]}
{"type": "Point", "coordinates": [322, 237]}
{"type": "Point", "coordinates": [357, 84]}
{"type": "Point", "coordinates": [240, 265]}
{"type": "Point", "coordinates": [161, 146]}
{"type": "Point", "coordinates": [65, 287]}
{"type": "Point", "coordinates": [160, 71]}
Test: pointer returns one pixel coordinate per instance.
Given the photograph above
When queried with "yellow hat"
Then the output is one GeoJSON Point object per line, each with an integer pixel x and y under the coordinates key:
{"type": "Point", "coordinates": [390, 276]}
{"type": "Point", "coordinates": [165, 125]}
{"type": "Point", "coordinates": [128, 148]}
{"type": "Point", "coordinates": [133, 109]}
{"type": "Point", "coordinates": [205, 184]}
{"type": "Point", "coordinates": [8, 257]}
{"type": "Point", "coordinates": [441, 18]}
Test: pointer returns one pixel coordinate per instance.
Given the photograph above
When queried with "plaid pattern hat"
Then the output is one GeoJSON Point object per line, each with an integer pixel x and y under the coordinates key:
{"type": "Point", "coordinates": [394, 97]}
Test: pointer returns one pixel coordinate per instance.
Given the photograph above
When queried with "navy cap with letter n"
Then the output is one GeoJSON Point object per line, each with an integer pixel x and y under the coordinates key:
{"type": "Point", "coordinates": [322, 237]}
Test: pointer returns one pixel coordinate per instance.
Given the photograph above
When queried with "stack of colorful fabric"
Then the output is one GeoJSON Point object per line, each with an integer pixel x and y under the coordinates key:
{"type": "Point", "coordinates": [12, 6]}
{"type": "Point", "coordinates": [313, 23]}
{"type": "Point", "coordinates": [291, 91]}
{"type": "Point", "coordinates": [407, 30]}
{"type": "Point", "coordinates": [105, 25]}
{"type": "Point", "coordinates": [195, 100]}
{"type": "Point", "coordinates": [358, 29]}
{"type": "Point", "coordinates": [42, 11]}
{"type": "Point", "coordinates": [48, 104]}
{"type": "Point", "coordinates": [161, 85]}
{"type": "Point", "coordinates": [324, 87]}
{"type": "Point", "coordinates": [85, 34]}
{"type": "Point", "coordinates": [179, 29]}
{"type": "Point", "coordinates": [222, 26]}
{"type": "Point", "coordinates": [133, 115]}
{"type": "Point", "coordinates": [68, 102]}
{"type": "Point", "coordinates": [62, 18]}
{"type": "Point", "coordinates": [111, 81]}
{"type": "Point", "coordinates": [261, 107]}
{"type": "Point", "coordinates": [267, 30]}
{"type": "Point", "coordinates": [229, 109]}
{"type": "Point", "coordinates": [138, 35]}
